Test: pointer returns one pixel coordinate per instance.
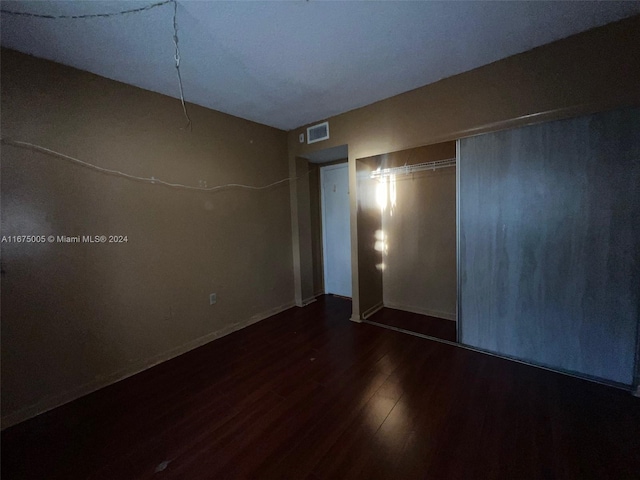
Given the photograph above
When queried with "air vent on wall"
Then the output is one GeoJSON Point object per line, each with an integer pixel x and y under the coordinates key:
{"type": "Point", "coordinates": [318, 132]}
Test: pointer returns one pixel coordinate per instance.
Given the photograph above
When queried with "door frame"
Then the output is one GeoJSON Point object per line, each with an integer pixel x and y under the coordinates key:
{"type": "Point", "coordinates": [458, 241]}
{"type": "Point", "coordinates": [323, 169]}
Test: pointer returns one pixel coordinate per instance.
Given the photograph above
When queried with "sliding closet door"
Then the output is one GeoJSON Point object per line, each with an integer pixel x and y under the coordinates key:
{"type": "Point", "coordinates": [550, 243]}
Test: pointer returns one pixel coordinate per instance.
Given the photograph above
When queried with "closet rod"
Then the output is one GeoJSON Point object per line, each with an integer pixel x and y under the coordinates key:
{"type": "Point", "coordinates": [418, 167]}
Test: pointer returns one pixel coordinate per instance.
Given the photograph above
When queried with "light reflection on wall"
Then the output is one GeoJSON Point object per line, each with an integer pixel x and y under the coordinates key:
{"type": "Point", "coordinates": [382, 194]}
{"type": "Point", "coordinates": [381, 245]}
{"type": "Point", "coordinates": [386, 193]}
{"type": "Point", "coordinates": [385, 198]}
{"type": "Point", "coordinates": [392, 193]}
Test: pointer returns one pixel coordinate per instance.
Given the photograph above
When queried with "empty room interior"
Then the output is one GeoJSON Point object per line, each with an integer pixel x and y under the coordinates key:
{"type": "Point", "coordinates": [320, 240]}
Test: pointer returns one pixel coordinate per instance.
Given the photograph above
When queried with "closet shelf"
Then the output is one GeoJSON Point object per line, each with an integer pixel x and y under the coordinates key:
{"type": "Point", "coordinates": [409, 169]}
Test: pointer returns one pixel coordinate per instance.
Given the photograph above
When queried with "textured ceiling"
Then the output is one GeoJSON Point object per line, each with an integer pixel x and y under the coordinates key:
{"type": "Point", "coordinates": [286, 64]}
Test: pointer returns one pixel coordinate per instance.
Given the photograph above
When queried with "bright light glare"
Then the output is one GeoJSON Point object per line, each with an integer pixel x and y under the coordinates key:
{"type": "Point", "coordinates": [392, 192]}
{"type": "Point", "coordinates": [386, 193]}
{"type": "Point", "coordinates": [382, 194]}
{"type": "Point", "coordinates": [381, 245]}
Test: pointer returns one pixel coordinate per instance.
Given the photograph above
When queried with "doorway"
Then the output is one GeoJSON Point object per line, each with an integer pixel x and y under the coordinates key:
{"type": "Point", "coordinates": [336, 230]}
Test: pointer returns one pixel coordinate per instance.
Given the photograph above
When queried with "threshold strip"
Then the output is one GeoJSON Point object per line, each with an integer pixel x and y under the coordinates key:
{"type": "Point", "coordinates": [409, 332]}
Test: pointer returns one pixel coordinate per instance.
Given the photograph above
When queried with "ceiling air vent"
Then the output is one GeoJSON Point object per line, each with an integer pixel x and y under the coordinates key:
{"type": "Point", "coordinates": [318, 132]}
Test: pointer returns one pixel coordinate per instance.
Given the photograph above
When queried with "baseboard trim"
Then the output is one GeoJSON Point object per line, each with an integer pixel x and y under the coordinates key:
{"type": "Point", "coordinates": [371, 311]}
{"type": "Point", "coordinates": [422, 311]}
{"type": "Point", "coordinates": [55, 401]}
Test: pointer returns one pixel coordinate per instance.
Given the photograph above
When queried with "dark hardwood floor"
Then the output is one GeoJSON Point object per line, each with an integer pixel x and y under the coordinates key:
{"type": "Point", "coordinates": [414, 322]}
{"type": "Point", "coordinates": [309, 394]}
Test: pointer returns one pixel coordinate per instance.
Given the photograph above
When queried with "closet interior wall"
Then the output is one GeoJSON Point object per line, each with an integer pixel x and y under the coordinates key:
{"type": "Point", "coordinates": [417, 240]}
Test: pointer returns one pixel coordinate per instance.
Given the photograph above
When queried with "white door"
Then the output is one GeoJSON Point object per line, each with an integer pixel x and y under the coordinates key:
{"type": "Point", "coordinates": [336, 232]}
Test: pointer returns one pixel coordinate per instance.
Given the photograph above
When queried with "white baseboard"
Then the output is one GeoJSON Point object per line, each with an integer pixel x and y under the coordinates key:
{"type": "Point", "coordinates": [422, 311]}
{"type": "Point", "coordinates": [54, 401]}
{"type": "Point", "coordinates": [367, 313]}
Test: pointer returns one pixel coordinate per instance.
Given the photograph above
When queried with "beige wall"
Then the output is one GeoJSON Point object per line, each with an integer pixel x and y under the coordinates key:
{"type": "Point", "coordinates": [79, 316]}
{"type": "Point", "coordinates": [420, 235]}
{"type": "Point", "coordinates": [588, 72]}
{"type": "Point", "coordinates": [302, 236]}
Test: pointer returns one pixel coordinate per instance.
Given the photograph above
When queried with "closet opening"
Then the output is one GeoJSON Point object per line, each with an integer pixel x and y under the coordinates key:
{"type": "Point", "coordinates": [414, 193]}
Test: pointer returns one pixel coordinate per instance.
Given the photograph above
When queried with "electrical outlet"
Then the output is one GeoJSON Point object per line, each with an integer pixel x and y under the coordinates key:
{"type": "Point", "coordinates": [212, 298]}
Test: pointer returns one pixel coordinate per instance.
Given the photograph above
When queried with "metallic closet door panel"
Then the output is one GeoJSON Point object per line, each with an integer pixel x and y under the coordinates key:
{"type": "Point", "coordinates": [550, 243]}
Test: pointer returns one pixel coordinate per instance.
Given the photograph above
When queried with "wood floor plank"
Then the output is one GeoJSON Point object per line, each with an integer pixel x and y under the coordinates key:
{"type": "Point", "coordinates": [309, 394]}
